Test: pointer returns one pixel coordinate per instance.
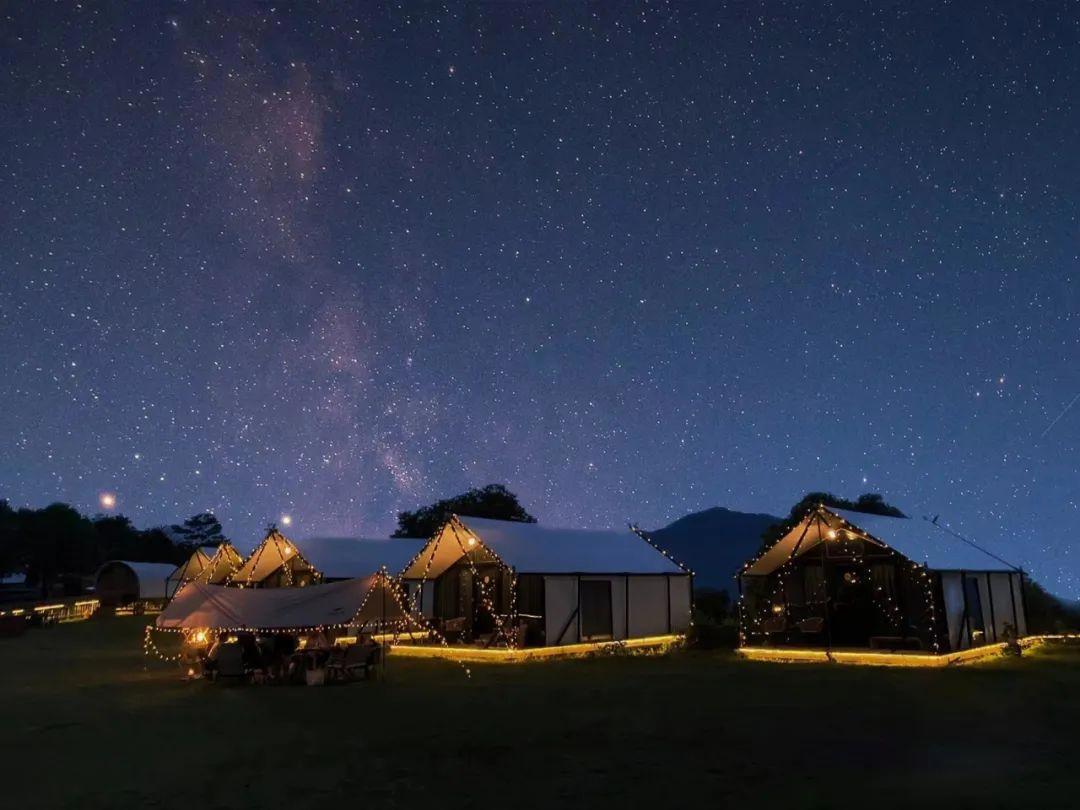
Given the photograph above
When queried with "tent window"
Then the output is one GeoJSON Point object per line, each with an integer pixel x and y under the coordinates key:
{"type": "Point", "coordinates": [594, 596]}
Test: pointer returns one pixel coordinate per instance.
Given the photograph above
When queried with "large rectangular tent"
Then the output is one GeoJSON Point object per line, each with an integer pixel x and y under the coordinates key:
{"type": "Point", "coordinates": [843, 579]}
{"type": "Point", "coordinates": [496, 582]}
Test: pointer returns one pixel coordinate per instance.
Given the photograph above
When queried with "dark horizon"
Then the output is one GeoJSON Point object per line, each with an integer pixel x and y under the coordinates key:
{"type": "Point", "coordinates": [632, 262]}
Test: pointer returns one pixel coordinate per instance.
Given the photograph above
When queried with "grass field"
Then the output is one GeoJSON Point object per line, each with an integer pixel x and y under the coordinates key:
{"type": "Point", "coordinates": [85, 724]}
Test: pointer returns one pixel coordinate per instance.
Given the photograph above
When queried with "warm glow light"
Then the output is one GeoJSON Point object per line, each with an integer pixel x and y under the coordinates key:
{"type": "Point", "coordinates": [777, 609]}
{"type": "Point", "coordinates": [471, 542]}
{"type": "Point", "coordinates": [831, 534]}
{"type": "Point", "coordinates": [286, 520]}
{"type": "Point", "coordinates": [651, 644]}
{"type": "Point", "coordinates": [107, 500]}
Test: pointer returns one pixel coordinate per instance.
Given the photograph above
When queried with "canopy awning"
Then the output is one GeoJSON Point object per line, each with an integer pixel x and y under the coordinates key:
{"type": "Point", "coordinates": [216, 607]}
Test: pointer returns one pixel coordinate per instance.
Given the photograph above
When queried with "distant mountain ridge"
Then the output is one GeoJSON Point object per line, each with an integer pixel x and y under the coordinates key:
{"type": "Point", "coordinates": [714, 543]}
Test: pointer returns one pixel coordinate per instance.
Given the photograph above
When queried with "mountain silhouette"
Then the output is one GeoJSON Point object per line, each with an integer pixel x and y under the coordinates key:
{"type": "Point", "coordinates": [714, 544]}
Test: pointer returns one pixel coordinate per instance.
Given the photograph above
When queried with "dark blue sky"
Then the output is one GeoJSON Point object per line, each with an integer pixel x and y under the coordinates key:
{"type": "Point", "coordinates": [632, 262]}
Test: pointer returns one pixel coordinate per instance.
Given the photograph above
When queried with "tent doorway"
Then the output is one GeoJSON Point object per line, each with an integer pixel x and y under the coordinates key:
{"type": "Point", "coordinates": [851, 609]}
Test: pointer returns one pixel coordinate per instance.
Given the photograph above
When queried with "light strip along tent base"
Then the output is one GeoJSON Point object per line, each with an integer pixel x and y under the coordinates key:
{"type": "Point", "coordinates": [372, 602]}
{"type": "Point", "coordinates": [519, 584]}
{"type": "Point", "coordinates": [841, 579]}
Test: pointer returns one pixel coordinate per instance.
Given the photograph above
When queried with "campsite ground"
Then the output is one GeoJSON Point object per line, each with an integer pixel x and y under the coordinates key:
{"type": "Point", "coordinates": [85, 724]}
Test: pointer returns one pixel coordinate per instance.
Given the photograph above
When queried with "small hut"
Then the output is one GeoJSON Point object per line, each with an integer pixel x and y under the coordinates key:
{"type": "Point", "coordinates": [120, 582]}
{"type": "Point", "coordinates": [848, 580]}
{"type": "Point", "coordinates": [498, 582]}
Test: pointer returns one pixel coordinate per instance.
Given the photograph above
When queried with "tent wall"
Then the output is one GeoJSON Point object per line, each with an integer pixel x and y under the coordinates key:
{"type": "Point", "coordinates": [995, 593]}
{"type": "Point", "coordinates": [681, 603]}
{"type": "Point", "coordinates": [1018, 594]}
{"type": "Point", "coordinates": [649, 604]}
{"type": "Point", "coordinates": [560, 609]}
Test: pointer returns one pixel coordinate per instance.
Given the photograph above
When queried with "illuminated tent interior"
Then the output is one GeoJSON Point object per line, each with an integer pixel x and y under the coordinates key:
{"type": "Point", "coordinates": [275, 563]}
{"type": "Point", "coordinates": [191, 568]}
{"type": "Point", "coordinates": [842, 579]}
{"type": "Point", "coordinates": [120, 582]}
{"type": "Point", "coordinates": [494, 582]}
{"type": "Point", "coordinates": [225, 562]}
{"type": "Point", "coordinates": [370, 603]}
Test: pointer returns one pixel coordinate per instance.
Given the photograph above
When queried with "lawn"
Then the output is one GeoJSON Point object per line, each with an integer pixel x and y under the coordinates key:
{"type": "Point", "coordinates": [85, 723]}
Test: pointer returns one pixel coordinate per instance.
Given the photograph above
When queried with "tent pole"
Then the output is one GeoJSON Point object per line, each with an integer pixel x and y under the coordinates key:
{"type": "Point", "coordinates": [1023, 605]}
{"type": "Point", "coordinates": [1012, 597]}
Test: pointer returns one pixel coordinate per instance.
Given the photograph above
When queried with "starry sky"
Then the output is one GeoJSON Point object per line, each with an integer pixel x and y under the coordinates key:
{"type": "Point", "coordinates": [632, 260]}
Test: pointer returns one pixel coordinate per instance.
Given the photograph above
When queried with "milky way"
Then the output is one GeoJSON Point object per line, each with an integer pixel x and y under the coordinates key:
{"type": "Point", "coordinates": [631, 261]}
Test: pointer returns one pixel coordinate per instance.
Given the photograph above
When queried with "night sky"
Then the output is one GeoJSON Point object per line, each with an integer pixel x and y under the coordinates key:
{"type": "Point", "coordinates": [632, 262]}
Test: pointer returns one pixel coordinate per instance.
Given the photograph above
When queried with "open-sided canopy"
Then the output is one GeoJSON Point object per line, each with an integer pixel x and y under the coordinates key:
{"type": "Point", "coordinates": [347, 557]}
{"type": "Point", "coordinates": [275, 552]}
{"type": "Point", "coordinates": [921, 541]}
{"type": "Point", "coordinates": [533, 549]}
{"type": "Point", "coordinates": [351, 601]}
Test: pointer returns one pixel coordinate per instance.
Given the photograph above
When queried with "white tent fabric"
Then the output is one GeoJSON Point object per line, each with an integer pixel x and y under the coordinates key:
{"type": "Point", "coordinates": [918, 540]}
{"type": "Point", "coordinates": [530, 548]}
{"type": "Point", "coordinates": [191, 568]}
{"type": "Point", "coordinates": [223, 563]}
{"type": "Point", "coordinates": [348, 557]}
{"type": "Point", "coordinates": [218, 607]}
{"type": "Point", "coordinates": [275, 551]}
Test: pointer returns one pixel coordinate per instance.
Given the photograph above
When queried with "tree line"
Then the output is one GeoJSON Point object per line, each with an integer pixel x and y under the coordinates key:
{"type": "Point", "coordinates": [57, 546]}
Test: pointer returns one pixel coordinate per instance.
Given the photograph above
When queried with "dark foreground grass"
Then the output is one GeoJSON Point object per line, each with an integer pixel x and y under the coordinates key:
{"type": "Point", "coordinates": [85, 724]}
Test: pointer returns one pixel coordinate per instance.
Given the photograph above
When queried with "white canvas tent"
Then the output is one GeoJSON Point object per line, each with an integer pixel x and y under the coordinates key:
{"type": "Point", "coordinates": [276, 562]}
{"type": "Point", "coordinates": [981, 593]}
{"type": "Point", "coordinates": [347, 557]}
{"type": "Point", "coordinates": [372, 601]}
{"type": "Point", "coordinates": [121, 582]}
{"type": "Point", "coordinates": [225, 562]}
{"type": "Point", "coordinates": [190, 569]}
{"type": "Point", "coordinates": [575, 585]}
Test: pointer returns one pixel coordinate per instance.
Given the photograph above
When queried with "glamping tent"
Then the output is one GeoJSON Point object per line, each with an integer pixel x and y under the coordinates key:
{"type": "Point", "coordinates": [119, 582]}
{"type": "Point", "coordinates": [275, 563]}
{"type": "Point", "coordinates": [503, 582]}
{"type": "Point", "coordinates": [190, 569]}
{"type": "Point", "coordinates": [369, 603]}
{"type": "Point", "coordinates": [279, 562]}
{"type": "Point", "coordinates": [225, 562]}
{"type": "Point", "coordinates": [346, 557]}
{"type": "Point", "coordinates": [841, 579]}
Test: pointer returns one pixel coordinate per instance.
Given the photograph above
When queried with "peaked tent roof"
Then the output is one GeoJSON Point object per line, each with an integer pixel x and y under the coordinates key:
{"type": "Point", "coordinates": [347, 557]}
{"type": "Point", "coordinates": [920, 541]}
{"type": "Point", "coordinates": [225, 561]}
{"type": "Point", "coordinates": [271, 554]}
{"type": "Point", "coordinates": [530, 548]}
{"type": "Point", "coordinates": [194, 565]}
{"type": "Point", "coordinates": [216, 607]}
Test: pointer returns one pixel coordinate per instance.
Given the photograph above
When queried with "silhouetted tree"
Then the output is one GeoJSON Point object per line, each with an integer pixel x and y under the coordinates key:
{"type": "Point", "coordinates": [493, 501]}
{"type": "Point", "coordinates": [203, 529]}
